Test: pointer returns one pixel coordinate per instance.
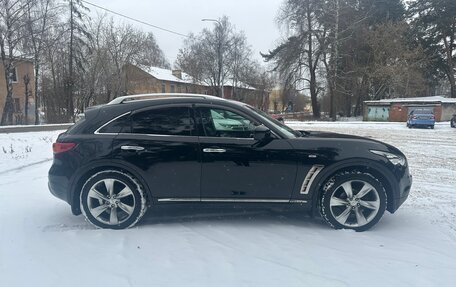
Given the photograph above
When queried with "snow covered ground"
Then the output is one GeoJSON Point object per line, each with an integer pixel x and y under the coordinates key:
{"type": "Point", "coordinates": [43, 244]}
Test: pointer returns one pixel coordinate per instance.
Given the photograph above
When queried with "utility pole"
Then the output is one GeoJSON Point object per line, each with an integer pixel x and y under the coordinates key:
{"type": "Point", "coordinates": [220, 56]}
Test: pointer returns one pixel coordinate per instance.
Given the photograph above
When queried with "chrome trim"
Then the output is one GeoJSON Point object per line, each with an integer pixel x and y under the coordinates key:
{"type": "Point", "coordinates": [120, 100]}
{"type": "Point", "coordinates": [132, 147]}
{"type": "Point", "coordinates": [299, 201]}
{"type": "Point", "coordinates": [179, 199]}
{"type": "Point", "coordinates": [310, 177]}
{"type": "Point", "coordinates": [156, 135]}
{"type": "Point", "coordinates": [214, 150]}
{"type": "Point", "coordinates": [244, 200]}
{"type": "Point", "coordinates": [210, 138]}
{"type": "Point", "coordinates": [230, 200]}
{"type": "Point", "coordinates": [97, 132]}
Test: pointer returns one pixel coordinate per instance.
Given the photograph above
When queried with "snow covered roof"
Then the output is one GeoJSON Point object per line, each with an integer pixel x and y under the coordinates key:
{"type": "Point", "coordinates": [167, 75]}
{"type": "Point", "coordinates": [242, 85]}
{"type": "Point", "coordinates": [432, 99]}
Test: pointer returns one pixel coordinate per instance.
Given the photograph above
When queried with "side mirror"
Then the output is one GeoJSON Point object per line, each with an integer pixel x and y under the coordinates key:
{"type": "Point", "coordinates": [261, 133]}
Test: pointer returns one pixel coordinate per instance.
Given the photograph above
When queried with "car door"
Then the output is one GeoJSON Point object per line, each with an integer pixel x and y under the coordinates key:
{"type": "Point", "coordinates": [162, 144]}
{"type": "Point", "coordinates": [235, 167]}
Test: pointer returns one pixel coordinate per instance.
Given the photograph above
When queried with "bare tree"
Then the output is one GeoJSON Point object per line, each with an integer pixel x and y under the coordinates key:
{"type": "Point", "coordinates": [298, 58]}
{"type": "Point", "coordinates": [215, 57]}
{"type": "Point", "coordinates": [11, 24]}
{"type": "Point", "coordinates": [38, 20]}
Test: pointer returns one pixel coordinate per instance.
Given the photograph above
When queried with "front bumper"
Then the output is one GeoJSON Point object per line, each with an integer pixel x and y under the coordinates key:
{"type": "Point", "coordinates": [404, 186]}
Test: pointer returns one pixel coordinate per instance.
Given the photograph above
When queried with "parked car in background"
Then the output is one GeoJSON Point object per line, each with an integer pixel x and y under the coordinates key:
{"type": "Point", "coordinates": [453, 121]}
{"type": "Point", "coordinates": [143, 151]}
{"type": "Point", "coordinates": [421, 118]}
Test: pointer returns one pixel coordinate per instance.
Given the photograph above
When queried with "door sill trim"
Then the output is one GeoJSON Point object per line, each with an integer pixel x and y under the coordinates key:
{"type": "Point", "coordinates": [239, 200]}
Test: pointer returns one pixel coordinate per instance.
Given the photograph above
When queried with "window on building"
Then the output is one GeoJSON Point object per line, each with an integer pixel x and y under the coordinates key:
{"type": "Point", "coordinates": [163, 87]}
{"type": "Point", "coordinates": [16, 105]}
{"type": "Point", "coordinates": [164, 121]}
{"type": "Point", "coordinates": [14, 75]}
{"type": "Point", "coordinates": [172, 88]}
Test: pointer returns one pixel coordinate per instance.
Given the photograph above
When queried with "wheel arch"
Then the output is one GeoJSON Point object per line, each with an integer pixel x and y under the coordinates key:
{"type": "Point", "coordinates": [377, 170]}
{"type": "Point", "coordinates": [87, 171]}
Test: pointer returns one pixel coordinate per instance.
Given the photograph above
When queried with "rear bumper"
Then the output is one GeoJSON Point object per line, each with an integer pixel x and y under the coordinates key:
{"type": "Point", "coordinates": [58, 186]}
{"type": "Point", "coordinates": [422, 122]}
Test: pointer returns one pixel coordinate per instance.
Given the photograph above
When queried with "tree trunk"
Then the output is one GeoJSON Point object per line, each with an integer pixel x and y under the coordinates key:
{"type": "Point", "coordinates": [26, 96]}
{"type": "Point", "coordinates": [312, 70]}
{"type": "Point", "coordinates": [70, 104]}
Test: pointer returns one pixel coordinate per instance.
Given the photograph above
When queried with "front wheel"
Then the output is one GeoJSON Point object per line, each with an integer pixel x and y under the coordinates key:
{"type": "Point", "coordinates": [113, 199]}
{"type": "Point", "coordinates": [353, 200]}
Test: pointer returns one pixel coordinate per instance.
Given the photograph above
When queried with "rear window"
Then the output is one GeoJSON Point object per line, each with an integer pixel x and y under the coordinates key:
{"type": "Point", "coordinates": [422, 111]}
{"type": "Point", "coordinates": [80, 119]}
{"type": "Point", "coordinates": [120, 125]}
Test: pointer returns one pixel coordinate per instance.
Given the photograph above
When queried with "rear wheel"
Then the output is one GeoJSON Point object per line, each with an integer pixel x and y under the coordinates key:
{"type": "Point", "coordinates": [113, 199]}
{"type": "Point", "coordinates": [353, 200]}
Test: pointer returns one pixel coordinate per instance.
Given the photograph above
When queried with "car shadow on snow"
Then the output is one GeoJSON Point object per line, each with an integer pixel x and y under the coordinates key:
{"type": "Point", "coordinates": [230, 215]}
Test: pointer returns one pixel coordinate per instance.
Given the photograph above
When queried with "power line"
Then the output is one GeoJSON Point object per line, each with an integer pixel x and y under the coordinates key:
{"type": "Point", "coordinates": [136, 20]}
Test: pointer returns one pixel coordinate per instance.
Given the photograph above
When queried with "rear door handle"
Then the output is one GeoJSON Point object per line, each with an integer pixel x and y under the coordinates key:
{"type": "Point", "coordinates": [216, 150]}
{"type": "Point", "coordinates": [132, 147]}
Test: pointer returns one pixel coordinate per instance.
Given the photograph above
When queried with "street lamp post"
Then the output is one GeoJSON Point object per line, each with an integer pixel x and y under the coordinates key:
{"type": "Point", "coordinates": [220, 55]}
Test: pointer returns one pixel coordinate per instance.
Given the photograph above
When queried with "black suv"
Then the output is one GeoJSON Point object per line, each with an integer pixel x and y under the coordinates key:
{"type": "Point", "coordinates": [141, 151]}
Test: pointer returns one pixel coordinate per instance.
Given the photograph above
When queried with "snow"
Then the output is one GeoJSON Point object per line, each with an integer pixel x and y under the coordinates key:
{"type": "Point", "coordinates": [416, 99]}
{"type": "Point", "coordinates": [43, 244]}
{"type": "Point", "coordinates": [167, 75]}
{"type": "Point", "coordinates": [19, 150]}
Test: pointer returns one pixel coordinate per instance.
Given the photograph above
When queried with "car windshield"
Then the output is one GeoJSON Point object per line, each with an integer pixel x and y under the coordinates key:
{"type": "Point", "coordinates": [283, 128]}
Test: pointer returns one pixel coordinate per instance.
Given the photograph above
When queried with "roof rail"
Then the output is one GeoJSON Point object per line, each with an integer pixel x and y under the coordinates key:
{"type": "Point", "coordinates": [120, 100]}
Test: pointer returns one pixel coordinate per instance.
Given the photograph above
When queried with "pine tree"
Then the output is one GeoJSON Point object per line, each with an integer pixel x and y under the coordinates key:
{"type": "Point", "coordinates": [434, 23]}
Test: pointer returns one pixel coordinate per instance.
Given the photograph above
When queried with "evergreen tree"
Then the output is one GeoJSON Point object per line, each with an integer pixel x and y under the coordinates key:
{"type": "Point", "coordinates": [434, 23]}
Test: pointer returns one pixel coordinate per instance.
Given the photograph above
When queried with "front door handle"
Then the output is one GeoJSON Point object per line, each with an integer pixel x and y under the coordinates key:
{"type": "Point", "coordinates": [216, 150]}
{"type": "Point", "coordinates": [132, 147]}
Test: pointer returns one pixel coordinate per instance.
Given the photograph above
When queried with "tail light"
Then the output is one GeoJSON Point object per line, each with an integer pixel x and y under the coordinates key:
{"type": "Point", "coordinates": [414, 117]}
{"type": "Point", "coordinates": [62, 147]}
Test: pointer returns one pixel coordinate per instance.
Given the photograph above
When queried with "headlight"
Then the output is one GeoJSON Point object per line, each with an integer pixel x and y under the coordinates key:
{"type": "Point", "coordinates": [393, 158]}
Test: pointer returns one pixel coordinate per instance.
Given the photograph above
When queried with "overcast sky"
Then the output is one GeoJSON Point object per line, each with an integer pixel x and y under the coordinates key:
{"type": "Point", "coordinates": [255, 17]}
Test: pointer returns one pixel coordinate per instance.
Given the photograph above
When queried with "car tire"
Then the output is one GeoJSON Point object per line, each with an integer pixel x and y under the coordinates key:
{"type": "Point", "coordinates": [113, 199]}
{"type": "Point", "coordinates": [452, 124]}
{"type": "Point", "coordinates": [353, 200]}
{"type": "Point", "coordinates": [432, 127]}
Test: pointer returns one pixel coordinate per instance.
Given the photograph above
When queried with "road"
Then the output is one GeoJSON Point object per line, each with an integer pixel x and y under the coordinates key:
{"type": "Point", "coordinates": [43, 244]}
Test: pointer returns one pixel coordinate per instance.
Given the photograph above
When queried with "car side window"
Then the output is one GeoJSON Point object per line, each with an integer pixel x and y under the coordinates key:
{"type": "Point", "coordinates": [225, 123]}
{"type": "Point", "coordinates": [120, 125]}
{"type": "Point", "coordinates": [164, 121]}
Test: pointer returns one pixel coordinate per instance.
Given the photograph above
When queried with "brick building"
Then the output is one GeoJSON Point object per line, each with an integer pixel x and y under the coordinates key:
{"type": "Point", "coordinates": [397, 110]}
{"type": "Point", "coordinates": [157, 80]}
{"type": "Point", "coordinates": [23, 67]}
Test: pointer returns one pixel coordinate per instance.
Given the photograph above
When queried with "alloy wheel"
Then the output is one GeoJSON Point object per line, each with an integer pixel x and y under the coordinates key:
{"type": "Point", "coordinates": [111, 201]}
{"type": "Point", "coordinates": [354, 203]}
